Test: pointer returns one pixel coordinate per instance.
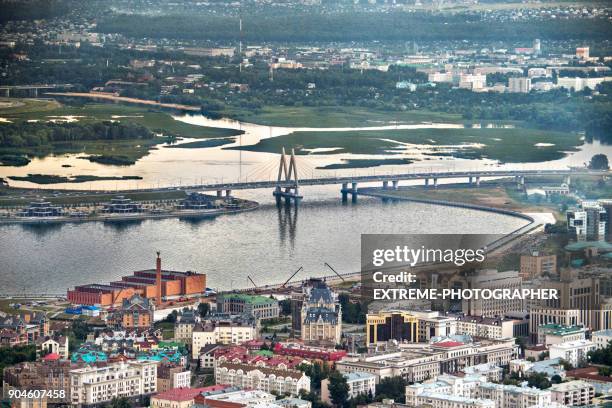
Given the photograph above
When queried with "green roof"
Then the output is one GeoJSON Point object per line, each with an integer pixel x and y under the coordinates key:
{"type": "Point", "coordinates": [559, 329]}
{"type": "Point", "coordinates": [582, 245]}
{"type": "Point", "coordinates": [254, 299]}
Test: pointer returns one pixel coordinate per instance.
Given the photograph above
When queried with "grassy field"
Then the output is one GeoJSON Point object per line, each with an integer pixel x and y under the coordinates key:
{"type": "Point", "coordinates": [505, 145]}
{"type": "Point", "coordinates": [365, 163]}
{"type": "Point", "coordinates": [121, 152]}
{"type": "Point", "coordinates": [155, 120]}
{"type": "Point", "coordinates": [491, 195]}
{"type": "Point", "coordinates": [336, 116]}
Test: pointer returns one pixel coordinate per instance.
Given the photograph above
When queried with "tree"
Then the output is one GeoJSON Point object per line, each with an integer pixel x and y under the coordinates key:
{"type": "Point", "coordinates": [122, 402]}
{"type": "Point", "coordinates": [392, 388]}
{"type": "Point", "coordinates": [556, 379]}
{"type": "Point", "coordinates": [599, 162]}
{"type": "Point", "coordinates": [338, 388]}
{"type": "Point", "coordinates": [203, 309]}
{"type": "Point", "coordinates": [538, 380]}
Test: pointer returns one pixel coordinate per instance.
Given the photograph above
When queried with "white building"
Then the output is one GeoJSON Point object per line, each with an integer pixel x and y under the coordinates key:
{"type": "Point", "coordinates": [472, 81]}
{"type": "Point", "coordinates": [447, 391]}
{"type": "Point", "coordinates": [511, 396]}
{"type": "Point", "coordinates": [549, 334]}
{"type": "Point", "coordinates": [359, 383]}
{"type": "Point", "coordinates": [579, 84]}
{"type": "Point", "coordinates": [221, 333]}
{"type": "Point", "coordinates": [262, 378]}
{"type": "Point", "coordinates": [573, 393]}
{"type": "Point", "coordinates": [574, 352]}
{"type": "Point", "coordinates": [601, 338]}
{"type": "Point", "coordinates": [487, 327]}
{"type": "Point", "coordinates": [95, 385]}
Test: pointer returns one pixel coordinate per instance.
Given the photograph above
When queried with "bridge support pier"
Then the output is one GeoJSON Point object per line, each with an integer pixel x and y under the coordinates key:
{"type": "Point", "coordinates": [219, 193]}
{"type": "Point", "coordinates": [435, 182]}
{"type": "Point", "coordinates": [395, 183]}
{"type": "Point", "coordinates": [426, 182]}
{"type": "Point", "coordinates": [385, 184]}
{"type": "Point", "coordinates": [471, 181]}
{"type": "Point", "coordinates": [478, 181]}
{"type": "Point", "coordinates": [520, 183]}
{"type": "Point", "coordinates": [228, 193]}
{"type": "Point", "coordinates": [346, 191]}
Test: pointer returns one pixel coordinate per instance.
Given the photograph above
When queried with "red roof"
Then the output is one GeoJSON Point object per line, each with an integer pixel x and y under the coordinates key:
{"type": "Point", "coordinates": [186, 394]}
{"type": "Point", "coordinates": [52, 357]}
{"type": "Point", "coordinates": [448, 343]}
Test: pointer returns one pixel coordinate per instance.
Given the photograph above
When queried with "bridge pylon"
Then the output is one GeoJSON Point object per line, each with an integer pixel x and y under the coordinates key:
{"type": "Point", "coordinates": [287, 183]}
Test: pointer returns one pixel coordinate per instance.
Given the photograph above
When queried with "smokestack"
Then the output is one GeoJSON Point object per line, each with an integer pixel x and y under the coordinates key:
{"type": "Point", "coordinates": [158, 280]}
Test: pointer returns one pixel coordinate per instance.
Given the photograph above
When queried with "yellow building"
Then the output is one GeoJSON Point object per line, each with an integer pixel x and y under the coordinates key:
{"type": "Point", "coordinates": [392, 325]}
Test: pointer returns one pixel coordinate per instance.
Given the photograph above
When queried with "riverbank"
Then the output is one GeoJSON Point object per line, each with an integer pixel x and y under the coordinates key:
{"type": "Point", "coordinates": [243, 206]}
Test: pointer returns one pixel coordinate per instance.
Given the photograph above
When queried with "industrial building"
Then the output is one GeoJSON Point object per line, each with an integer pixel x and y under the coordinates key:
{"type": "Point", "coordinates": [155, 284]}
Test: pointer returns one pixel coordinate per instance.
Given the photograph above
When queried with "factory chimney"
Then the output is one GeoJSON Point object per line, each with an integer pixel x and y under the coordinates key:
{"type": "Point", "coordinates": [158, 280]}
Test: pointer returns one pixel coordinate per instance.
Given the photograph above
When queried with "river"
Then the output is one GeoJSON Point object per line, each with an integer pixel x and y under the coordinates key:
{"type": "Point", "coordinates": [267, 244]}
{"type": "Point", "coordinates": [165, 167]}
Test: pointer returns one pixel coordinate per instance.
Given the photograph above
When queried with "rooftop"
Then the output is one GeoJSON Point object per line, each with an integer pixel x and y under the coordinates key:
{"type": "Point", "coordinates": [186, 394]}
{"type": "Point", "coordinates": [570, 386]}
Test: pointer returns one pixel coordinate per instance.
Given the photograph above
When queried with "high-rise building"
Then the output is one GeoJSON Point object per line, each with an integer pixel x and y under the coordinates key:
{"type": "Point", "coordinates": [588, 221]}
{"type": "Point", "coordinates": [492, 279]}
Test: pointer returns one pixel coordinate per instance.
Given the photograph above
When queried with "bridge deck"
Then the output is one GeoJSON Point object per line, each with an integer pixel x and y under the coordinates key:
{"type": "Point", "coordinates": [390, 177]}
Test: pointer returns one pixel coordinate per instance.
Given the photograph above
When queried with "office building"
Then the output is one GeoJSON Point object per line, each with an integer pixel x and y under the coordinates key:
{"type": "Point", "coordinates": [171, 376]}
{"type": "Point", "coordinates": [537, 264]}
{"type": "Point", "coordinates": [492, 279]}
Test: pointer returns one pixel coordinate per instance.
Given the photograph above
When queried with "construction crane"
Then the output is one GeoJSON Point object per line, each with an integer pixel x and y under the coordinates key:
{"type": "Point", "coordinates": [333, 270]}
{"type": "Point", "coordinates": [291, 277]}
{"type": "Point", "coordinates": [254, 284]}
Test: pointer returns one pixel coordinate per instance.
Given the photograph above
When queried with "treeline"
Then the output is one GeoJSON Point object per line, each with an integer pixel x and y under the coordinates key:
{"type": "Point", "coordinates": [358, 26]}
{"type": "Point", "coordinates": [42, 134]}
{"type": "Point", "coordinates": [32, 9]}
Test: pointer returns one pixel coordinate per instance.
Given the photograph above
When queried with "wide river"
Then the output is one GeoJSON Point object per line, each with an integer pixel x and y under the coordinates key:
{"type": "Point", "coordinates": [267, 244]}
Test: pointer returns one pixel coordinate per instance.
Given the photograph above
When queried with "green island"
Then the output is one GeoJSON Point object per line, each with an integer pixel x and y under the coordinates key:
{"type": "Point", "coordinates": [337, 116]}
{"type": "Point", "coordinates": [108, 134]}
{"type": "Point", "coordinates": [505, 145]}
{"type": "Point", "coordinates": [200, 144]}
{"type": "Point", "coordinates": [364, 163]}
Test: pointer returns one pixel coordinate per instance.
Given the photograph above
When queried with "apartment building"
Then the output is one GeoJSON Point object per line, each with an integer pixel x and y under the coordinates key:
{"type": "Point", "coordinates": [358, 383]}
{"type": "Point", "coordinates": [171, 376]}
{"type": "Point", "coordinates": [573, 393]}
{"type": "Point", "coordinates": [511, 396]}
{"type": "Point", "coordinates": [486, 327]}
{"type": "Point", "coordinates": [39, 375]}
{"type": "Point", "coordinates": [601, 338]}
{"type": "Point", "coordinates": [574, 352]}
{"type": "Point", "coordinates": [233, 330]}
{"type": "Point", "coordinates": [183, 327]}
{"type": "Point", "coordinates": [94, 385]}
{"type": "Point", "coordinates": [261, 378]}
